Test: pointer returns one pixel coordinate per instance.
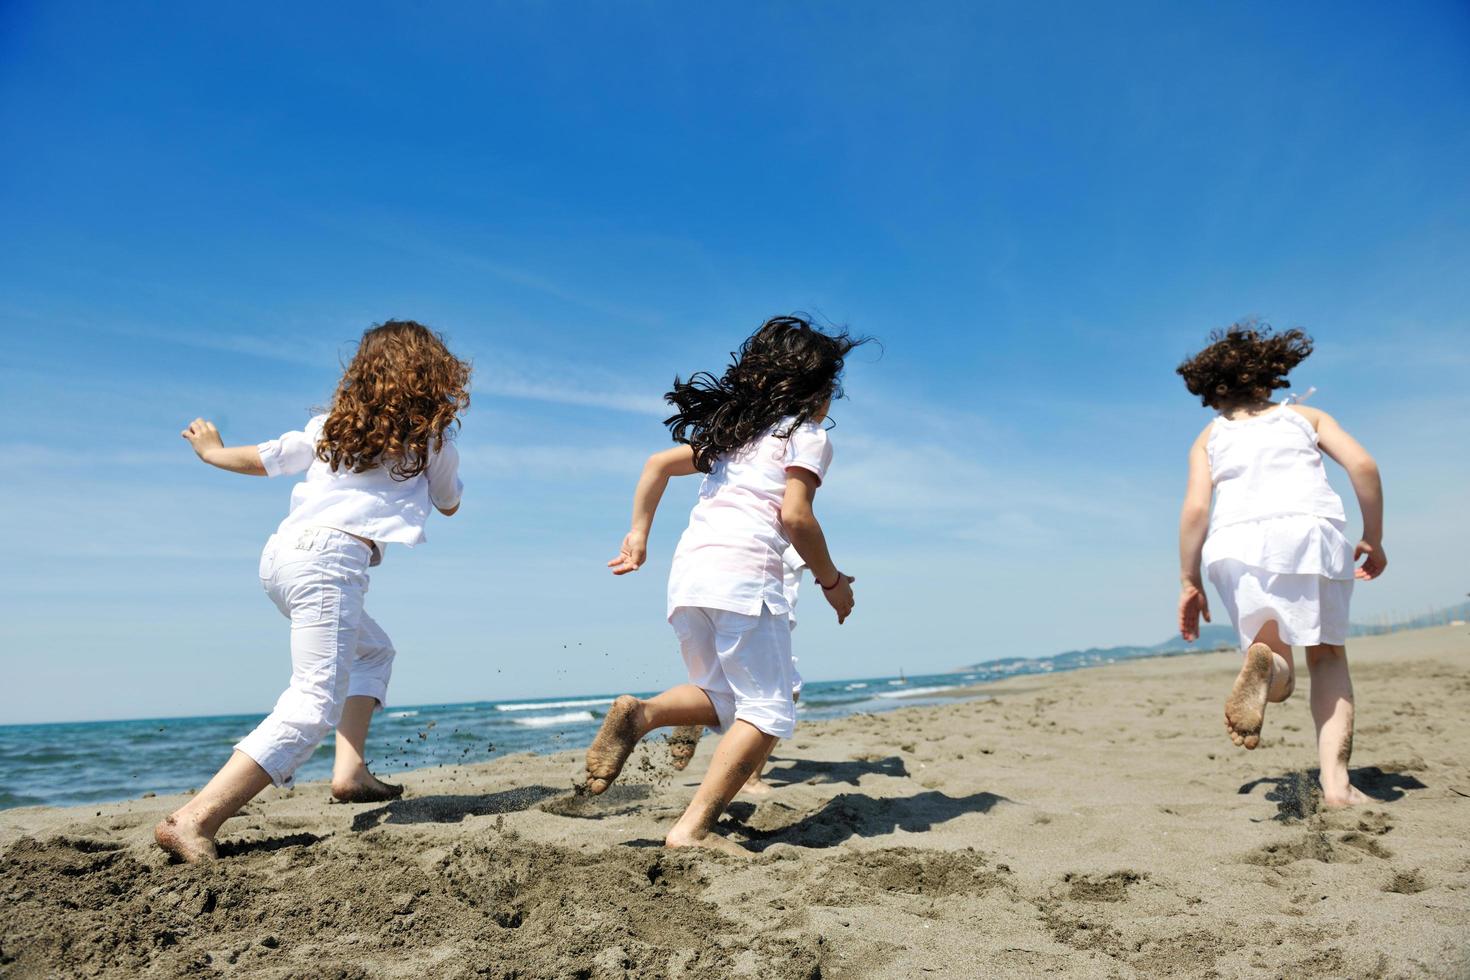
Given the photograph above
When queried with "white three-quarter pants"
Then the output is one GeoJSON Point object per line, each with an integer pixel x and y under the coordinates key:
{"type": "Point", "coordinates": [742, 663]}
{"type": "Point", "coordinates": [317, 577]}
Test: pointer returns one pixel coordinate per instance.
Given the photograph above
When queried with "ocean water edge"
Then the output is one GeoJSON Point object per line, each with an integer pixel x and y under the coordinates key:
{"type": "Point", "coordinates": [67, 764]}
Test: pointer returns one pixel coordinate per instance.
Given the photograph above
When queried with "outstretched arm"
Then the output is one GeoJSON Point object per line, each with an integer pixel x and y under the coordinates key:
{"type": "Point", "coordinates": [205, 439]}
{"type": "Point", "coordinates": [1367, 484]}
{"type": "Point", "coordinates": [1194, 524]}
{"type": "Point", "coordinates": [678, 461]}
{"type": "Point", "coordinates": [805, 534]}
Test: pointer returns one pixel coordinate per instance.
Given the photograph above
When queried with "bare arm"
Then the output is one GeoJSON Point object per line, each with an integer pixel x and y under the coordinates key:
{"type": "Point", "coordinates": [678, 461]}
{"type": "Point", "coordinates": [805, 533]}
{"type": "Point", "coordinates": [1362, 470]}
{"type": "Point", "coordinates": [1194, 525]}
{"type": "Point", "coordinates": [205, 439]}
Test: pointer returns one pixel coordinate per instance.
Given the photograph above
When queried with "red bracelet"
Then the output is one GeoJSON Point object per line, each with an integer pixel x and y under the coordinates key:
{"type": "Point", "coordinates": [829, 588]}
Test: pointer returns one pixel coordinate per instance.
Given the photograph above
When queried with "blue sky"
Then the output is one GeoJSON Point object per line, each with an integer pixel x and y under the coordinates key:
{"type": "Point", "coordinates": [1039, 209]}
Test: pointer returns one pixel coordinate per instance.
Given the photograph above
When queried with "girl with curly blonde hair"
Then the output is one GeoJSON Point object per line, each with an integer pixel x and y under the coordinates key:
{"type": "Point", "coordinates": [375, 462]}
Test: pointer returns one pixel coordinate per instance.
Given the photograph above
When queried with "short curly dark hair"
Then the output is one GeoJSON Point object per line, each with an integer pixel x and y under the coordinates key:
{"type": "Point", "coordinates": [1244, 363]}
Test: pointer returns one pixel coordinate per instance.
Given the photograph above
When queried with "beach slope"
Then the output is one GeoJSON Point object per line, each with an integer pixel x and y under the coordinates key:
{"type": "Point", "coordinates": [1092, 823]}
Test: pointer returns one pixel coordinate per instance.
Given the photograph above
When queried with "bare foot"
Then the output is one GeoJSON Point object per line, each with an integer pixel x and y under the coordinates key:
{"type": "Point", "coordinates": [184, 840]}
{"type": "Point", "coordinates": [1339, 801]}
{"type": "Point", "coordinates": [713, 842]}
{"type": "Point", "coordinates": [682, 743]}
{"type": "Point", "coordinates": [614, 743]}
{"type": "Point", "coordinates": [365, 789]}
{"type": "Point", "coordinates": [756, 787]}
{"type": "Point", "coordinates": [1245, 708]}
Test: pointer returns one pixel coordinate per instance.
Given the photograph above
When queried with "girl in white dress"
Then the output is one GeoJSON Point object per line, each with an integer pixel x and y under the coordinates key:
{"type": "Point", "coordinates": [756, 433]}
{"type": "Point", "coordinates": [1274, 545]}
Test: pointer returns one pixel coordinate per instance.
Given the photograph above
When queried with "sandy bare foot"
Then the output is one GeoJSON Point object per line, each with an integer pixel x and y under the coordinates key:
{"type": "Point", "coordinates": [613, 744]}
{"type": "Point", "coordinates": [184, 841]}
{"type": "Point", "coordinates": [682, 743]}
{"type": "Point", "coordinates": [369, 790]}
{"type": "Point", "coordinates": [1245, 708]}
{"type": "Point", "coordinates": [1353, 797]}
{"type": "Point", "coordinates": [713, 842]}
{"type": "Point", "coordinates": [757, 787]}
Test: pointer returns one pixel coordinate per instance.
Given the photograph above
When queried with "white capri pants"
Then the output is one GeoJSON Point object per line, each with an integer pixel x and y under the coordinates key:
{"type": "Point", "coordinates": [743, 663]}
{"type": "Point", "coordinates": [318, 577]}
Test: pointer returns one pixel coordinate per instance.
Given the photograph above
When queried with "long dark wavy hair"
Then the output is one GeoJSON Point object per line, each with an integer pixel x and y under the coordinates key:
{"type": "Point", "coordinates": [786, 369]}
{"type": "Point", "coordinates": [1244, 364]}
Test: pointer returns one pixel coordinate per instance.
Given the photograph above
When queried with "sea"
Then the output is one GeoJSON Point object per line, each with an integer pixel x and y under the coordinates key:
{"type": "Point", "coordinates": [67, 764]}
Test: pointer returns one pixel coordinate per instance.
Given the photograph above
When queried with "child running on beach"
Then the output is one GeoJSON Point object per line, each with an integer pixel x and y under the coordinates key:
{"type": "Point", "coordinates": [756, 433]}
{"type": "Point", "coordinates": [1274, 546]}
{"type": "Point", "coordinates": [374, 462]}
{"type": "Point", "coordinates": [685, 739]}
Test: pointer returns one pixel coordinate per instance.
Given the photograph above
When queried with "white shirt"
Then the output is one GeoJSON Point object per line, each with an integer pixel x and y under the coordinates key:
{"type": "Point", "coordinates": [730, 555]}
{"type": "Point", "coordinates": [1268, 465]}
{"type": "Point", "coordinates": [372, 504]}
{"type": "Point", "coordinates": [792, 567]}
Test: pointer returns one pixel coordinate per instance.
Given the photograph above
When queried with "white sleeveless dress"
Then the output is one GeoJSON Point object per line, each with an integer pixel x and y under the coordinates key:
{"type": "Point", "coordinates": [1276, 547]}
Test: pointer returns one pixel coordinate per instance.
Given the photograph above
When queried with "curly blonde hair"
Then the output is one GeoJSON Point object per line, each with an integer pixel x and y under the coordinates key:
{"type": "Point", "coordinates": [400, 395]}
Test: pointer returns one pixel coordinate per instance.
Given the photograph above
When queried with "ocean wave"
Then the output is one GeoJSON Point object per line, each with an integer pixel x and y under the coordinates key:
{"type": "Point", "coordinates": [914, 692]}
{"type": "Point", "coordinates": [834, 702]}
{"type": "Point", "coordinates": [402, 714]}
{"type": "Point", "coordinates": [545, 721]}
{"type": "Point", "coordinates": [855, 687]}
{"type": "Point", "coordinates": [541, 705]}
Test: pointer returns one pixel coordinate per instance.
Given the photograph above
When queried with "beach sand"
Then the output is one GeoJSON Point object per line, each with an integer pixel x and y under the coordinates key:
{"type": "Point", "coordinates": [1091, 823]}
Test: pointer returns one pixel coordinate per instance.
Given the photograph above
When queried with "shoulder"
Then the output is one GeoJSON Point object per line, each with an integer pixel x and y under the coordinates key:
{"type": "Point", "coordinates": [809, 437]}
{"type": "Point", "coordinates": [1313, 416]}
{"type": "Point", "coordinates": [315, 423]}
{"type": "Point", "coordinates": [1203, 439]}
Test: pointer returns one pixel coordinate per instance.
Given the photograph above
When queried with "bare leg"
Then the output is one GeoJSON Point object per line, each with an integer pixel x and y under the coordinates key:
{"type": "Point", "coordinates": [629, 719]}
{"type": "Point", "coordinates": [682, 743]}
{"type": "Point", "coordinates": [1332, 710]}
{"type": "Point", "coordinates": [739, 754]}
{"type": "Point", "coordinates": [351, 781]}
{"type": "Point", "coordinates": [188, 833]}
{"type": "Point", "coordinates": [755, 785]}
{"type": "Point", "coordinates": [1268, 675]}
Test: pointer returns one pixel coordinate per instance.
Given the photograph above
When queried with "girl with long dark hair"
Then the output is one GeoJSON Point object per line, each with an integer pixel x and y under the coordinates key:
{"type": "Point", "coordinates": [756, 433]}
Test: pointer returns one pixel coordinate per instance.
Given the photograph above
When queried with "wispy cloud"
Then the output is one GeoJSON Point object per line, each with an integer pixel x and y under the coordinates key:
{"type": "Point", "coordinates": [498, 373]}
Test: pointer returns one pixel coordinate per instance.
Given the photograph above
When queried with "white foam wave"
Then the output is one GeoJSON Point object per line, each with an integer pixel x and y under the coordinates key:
{"type": "Point", "coordinates": [914, 692]}
{"type": "Point", "coordinates": [542, 705]}
{"type": "Point", "coordinates": [546, 721]}
{"type": "Point", "coordinates": [855, 687]}
{"type": "Point", "coordinates": [402, 714]}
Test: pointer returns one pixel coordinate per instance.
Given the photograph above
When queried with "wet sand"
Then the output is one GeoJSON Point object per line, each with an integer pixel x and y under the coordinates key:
{"type": "Point", "coordinates": [1091, 823]}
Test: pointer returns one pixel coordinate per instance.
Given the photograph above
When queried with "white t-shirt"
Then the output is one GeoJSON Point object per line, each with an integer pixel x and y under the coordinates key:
{"type": "Point", "coordinates": [730, 555]}
{"type": "Point", "coordinates": [792, 567]}
{"type": "Point", "coordinates": [372, 504]}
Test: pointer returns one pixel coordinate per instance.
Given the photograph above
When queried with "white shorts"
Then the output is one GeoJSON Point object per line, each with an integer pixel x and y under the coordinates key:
{"type": "Point", "coordinates": [743, 663]}
{"type": "Point", "coordinates": [1308, 609]}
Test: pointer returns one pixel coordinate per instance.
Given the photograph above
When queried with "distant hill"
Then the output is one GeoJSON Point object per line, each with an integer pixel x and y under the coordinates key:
{"type": "Point", "coordinates": [1213, 636]}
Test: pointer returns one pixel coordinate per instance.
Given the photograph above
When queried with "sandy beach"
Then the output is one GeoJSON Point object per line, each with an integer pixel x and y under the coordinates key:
{"type": "Point", "coordinates": [1091, 823]}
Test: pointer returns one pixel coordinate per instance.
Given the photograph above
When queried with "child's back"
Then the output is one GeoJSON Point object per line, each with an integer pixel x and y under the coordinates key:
{"type": "Point", "coordinates": [730, 555]}
{"type": "Point", "coordinates": [1274, 545]}
{"type": "Point", "coordinates": [1274, 509]}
